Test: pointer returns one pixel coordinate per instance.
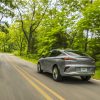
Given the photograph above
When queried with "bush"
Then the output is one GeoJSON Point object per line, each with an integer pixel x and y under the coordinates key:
{"type": "Point", "coordinates": [98, 65]}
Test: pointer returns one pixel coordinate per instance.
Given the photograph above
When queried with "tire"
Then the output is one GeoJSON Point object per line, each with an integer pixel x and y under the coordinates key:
{"type": "Point", "coordinates": [56, 74]}
{"type": "Point", "coordinates": [85, 78]}
{"type": "Point", "coordinates": [39, 70]}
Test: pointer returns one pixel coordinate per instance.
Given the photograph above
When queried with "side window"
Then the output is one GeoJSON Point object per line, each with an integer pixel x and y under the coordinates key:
{"type": "Point", "coordinates": [55, 53]}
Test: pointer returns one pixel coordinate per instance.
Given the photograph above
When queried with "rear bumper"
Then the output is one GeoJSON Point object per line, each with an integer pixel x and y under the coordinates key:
{"type": "Point", "coordinates": [76, 70]}
{"type": "Point", "coordinates": [77, 74]}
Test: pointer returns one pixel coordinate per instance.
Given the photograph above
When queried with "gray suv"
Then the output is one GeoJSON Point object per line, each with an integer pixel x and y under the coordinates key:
{"type": "Point", "coordinates": [67, 63]}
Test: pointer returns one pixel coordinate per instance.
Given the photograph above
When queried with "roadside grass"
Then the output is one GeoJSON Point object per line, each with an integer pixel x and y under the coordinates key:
{"type": "Point", "coordinates": [97, 74]}
{"type": "Point", "coordinates": [29, 59]}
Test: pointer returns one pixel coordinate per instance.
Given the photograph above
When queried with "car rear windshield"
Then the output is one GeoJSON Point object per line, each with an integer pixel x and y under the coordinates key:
{"type": "Point", "coordinates": [75, 53]}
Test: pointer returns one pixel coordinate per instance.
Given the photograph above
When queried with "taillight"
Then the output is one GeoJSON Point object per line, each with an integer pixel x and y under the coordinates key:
{"type": "Point", "coordinates": [68, 58]}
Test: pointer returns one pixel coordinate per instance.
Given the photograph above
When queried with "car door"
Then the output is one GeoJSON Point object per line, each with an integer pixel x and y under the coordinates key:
{"type": "Point", "coordinates": [51, 60]}
{"type": "Point", "coordinates": [45, 62]}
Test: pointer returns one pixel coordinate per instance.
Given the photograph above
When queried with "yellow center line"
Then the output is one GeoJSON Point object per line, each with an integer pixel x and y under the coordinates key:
{"type": "Point", "coordinates": [24, 73]}
{"type": "Point", "coordinates": [34, 85]}
{"type": "Point", "coordinates": [43, 85]}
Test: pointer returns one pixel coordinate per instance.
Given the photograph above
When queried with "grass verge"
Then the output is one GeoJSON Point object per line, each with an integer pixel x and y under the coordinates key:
{"type": "Point", "coordinates": [97, 74]}
{"type": "Point", "coordinates": [29, 59]}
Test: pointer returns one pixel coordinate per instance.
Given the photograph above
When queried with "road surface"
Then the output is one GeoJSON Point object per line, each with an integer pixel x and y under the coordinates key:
{"type": "Point", "coordinates": [20, 81]}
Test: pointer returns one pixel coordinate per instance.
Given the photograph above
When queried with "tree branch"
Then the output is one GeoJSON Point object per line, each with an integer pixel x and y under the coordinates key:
{"type": "Point", "coordinates": [33, 13]}
{"type": "Point", "coordinates": [25, 33]}
{"type": "Point", "coordinates": [40, 19]}
{"type": "Point", "coordinates": [1, 18]}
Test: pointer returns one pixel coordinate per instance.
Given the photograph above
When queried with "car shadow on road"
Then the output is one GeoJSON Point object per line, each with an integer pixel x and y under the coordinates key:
{"type": "Point", "coordinates": [76, 80]}
{"type": "Point", "coordinates": [71, 80]}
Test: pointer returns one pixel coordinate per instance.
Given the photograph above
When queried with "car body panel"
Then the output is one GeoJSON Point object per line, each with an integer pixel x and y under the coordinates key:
{"type": "Point", "coordinates": [81, 66]}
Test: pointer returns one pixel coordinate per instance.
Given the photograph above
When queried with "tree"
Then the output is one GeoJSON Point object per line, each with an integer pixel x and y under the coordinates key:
{"type": "Point", "coordinates": [6, 10]}
{"type": "Point", "coordinates": [39, 26]}
{"type": "Point", "coordinates": [33, 13]}
{"type": "Point", "coordinates": [4, 42]}
{"type": "Point", "coordinates": [88, 28]}
{"type": "Point", "coordinates": [17, 38]}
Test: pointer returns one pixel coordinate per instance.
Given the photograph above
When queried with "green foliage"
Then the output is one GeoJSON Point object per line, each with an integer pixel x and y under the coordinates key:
{"type": "Point", "coordinates": [98, 64]}
{"type": "Point", "coordinates": [97, 74]}
{"type": "Point", "coordinates": [39, 26]}
{"type": "Point", "coordinates": [88, 30]}
{"type": "Point", "coordinates": [6, 7]}
{"type": "Point", "coordinates": [6, 11]}
{"type": "Point", "coordinates": [4, 42]}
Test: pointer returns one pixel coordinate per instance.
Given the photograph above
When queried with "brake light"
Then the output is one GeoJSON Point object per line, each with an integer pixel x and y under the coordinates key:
{"type": "Point", "coordinates": [68, 58]}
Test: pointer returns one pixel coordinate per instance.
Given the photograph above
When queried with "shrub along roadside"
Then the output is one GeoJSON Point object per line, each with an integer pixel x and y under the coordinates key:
{"type": "Point", "coordinates": [97, 74]}
{"type": "Point", "coordinates": [30, 57]}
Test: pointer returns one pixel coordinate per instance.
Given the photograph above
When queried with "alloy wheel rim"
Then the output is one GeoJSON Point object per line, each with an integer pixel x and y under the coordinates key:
{"type": "Point", "coordinates": [55, 73]}
{"type": "Point", "coordinates": [38, 68]}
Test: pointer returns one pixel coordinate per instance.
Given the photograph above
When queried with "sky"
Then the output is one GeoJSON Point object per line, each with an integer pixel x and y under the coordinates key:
{"type": "Point", "coordinates": [9, 20]}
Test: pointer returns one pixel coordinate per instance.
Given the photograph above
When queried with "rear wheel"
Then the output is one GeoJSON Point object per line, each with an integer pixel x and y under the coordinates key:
{"type": "Point", "coordinates": [56, 74]}
{"type": "Point", "coordinates": [39, 70]}
{"type": "Point", "coordinates": [85, 78]}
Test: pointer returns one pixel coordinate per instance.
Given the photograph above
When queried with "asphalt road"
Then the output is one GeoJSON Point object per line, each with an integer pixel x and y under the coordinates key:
{"type": "Point", "coordinates": [20, 81]}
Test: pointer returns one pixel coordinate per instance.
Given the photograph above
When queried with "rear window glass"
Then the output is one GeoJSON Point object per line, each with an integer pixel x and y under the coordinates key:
{"type": "Point", "coordinates": [75, 53]}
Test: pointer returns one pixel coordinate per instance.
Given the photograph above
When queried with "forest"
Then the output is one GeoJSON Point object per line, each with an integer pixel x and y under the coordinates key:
{"type": "Point", "coordinates": [30, 28]}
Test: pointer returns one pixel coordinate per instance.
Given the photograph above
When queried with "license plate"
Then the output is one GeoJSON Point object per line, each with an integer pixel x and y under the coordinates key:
{"type": "Point", "coordinates": [83, 69]}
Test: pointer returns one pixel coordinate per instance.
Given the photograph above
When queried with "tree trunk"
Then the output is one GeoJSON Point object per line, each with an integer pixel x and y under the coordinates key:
{"type": "Point", "coordinates": [21, 49]}
{"type": "Point", "coordinates": [86, 41]}
{"type": "Point", "coordinates": [29, 47]}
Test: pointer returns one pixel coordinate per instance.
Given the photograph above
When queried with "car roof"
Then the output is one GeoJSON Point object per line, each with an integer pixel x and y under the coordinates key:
{"type": "Point", "coordinates": [62, 50]}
